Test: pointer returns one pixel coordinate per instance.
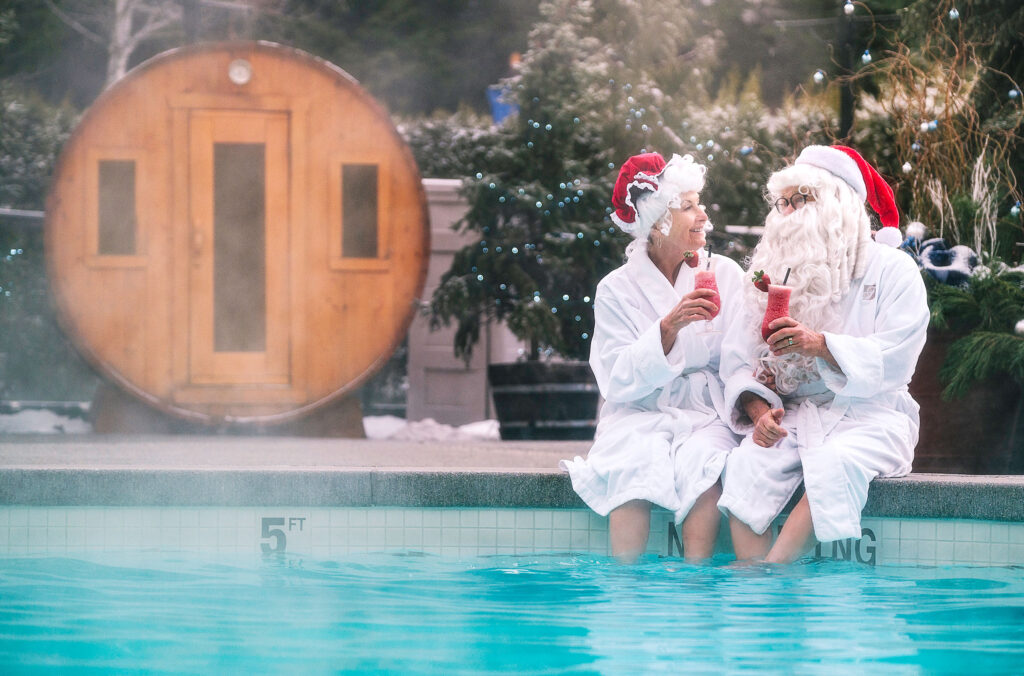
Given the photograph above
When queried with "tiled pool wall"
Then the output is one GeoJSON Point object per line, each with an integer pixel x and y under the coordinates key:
{"type": "Point", "coordinates": [326, 533]}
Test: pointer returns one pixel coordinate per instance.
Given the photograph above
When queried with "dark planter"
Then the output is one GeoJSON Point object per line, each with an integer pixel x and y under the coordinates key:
{"type": "Point", "coordinates": [544, 400]}
{"type": "Point", "coordinates": [981, 433]}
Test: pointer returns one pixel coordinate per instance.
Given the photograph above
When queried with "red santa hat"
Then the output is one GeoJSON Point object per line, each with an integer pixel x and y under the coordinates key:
{"type": "Point", "coordinates": [847, 164]}
{"type": "Point", "coordinates": [646, 185]}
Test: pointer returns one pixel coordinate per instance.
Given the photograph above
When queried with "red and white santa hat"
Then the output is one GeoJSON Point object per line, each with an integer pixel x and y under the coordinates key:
{"type": "Point", "coordinates": [847, 164]}
{"type": "Point", "coordinates": [645, 187]}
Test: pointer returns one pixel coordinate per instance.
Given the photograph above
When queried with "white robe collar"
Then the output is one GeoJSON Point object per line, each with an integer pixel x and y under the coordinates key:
{"type": "Point", "coordinates": [653, 284]}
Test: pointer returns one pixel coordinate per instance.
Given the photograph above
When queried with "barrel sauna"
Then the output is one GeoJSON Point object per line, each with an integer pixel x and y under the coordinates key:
{"type": "Point", "coordinates": [236, 233]}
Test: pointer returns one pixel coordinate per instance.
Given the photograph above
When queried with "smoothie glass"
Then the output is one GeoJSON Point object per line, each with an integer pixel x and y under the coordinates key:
{"type": "Point", "coordinates": [705, 279]}
{"type": "Point", "coordinates": [778, 306]}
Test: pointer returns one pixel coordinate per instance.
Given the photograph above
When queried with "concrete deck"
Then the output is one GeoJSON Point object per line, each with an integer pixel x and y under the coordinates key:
{"type": "Point", "coordinates": [264, 471]}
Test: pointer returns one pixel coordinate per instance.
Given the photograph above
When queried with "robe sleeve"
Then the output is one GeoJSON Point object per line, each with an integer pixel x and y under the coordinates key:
{"type": "Point", "coordinates": [736, 368]}
{"type": "Point", "coordinates": [883, 360]}
{"type": "Point", "coordinates": [628, 361]}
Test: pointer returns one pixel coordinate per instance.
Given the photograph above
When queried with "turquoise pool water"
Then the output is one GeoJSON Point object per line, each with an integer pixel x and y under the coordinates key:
{"type": "Point", "coordinates": [163, 613]}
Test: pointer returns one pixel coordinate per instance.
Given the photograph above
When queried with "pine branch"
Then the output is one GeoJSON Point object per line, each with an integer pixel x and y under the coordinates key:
{"type": "Point", "coordinates": [979, 356]}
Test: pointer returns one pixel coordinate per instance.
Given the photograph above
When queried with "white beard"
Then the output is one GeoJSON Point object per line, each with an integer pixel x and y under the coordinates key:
{"type": "Point", "coordinates": [812, 247]}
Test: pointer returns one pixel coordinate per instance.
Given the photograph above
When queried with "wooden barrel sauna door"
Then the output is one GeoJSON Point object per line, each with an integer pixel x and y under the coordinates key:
{"type": "Point", "coordinates": [237, 233]}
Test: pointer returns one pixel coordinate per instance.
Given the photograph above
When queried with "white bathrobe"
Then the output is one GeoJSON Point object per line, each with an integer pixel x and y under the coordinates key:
{"type": "Point", "coordinates": [848, 427]}
{"type": "Point", "coordinates": [660, 436]}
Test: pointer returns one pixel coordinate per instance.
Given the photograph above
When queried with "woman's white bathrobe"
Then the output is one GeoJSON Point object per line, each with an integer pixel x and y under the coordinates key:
{"type": "Point", "coordinates": [846, 428]}
{"type": "Point", "coordinates": [660, 436]}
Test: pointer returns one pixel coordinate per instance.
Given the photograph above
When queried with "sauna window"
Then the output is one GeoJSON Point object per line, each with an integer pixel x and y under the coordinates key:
{"type": "Point", "coordinates": [116, 199]}
{"type": "Point", "coordinates": [359, 201]}
{"type": "Point", "coordinates": [239, 247]}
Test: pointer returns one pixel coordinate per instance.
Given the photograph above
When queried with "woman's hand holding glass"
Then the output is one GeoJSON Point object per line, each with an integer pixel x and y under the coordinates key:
{"type": "Point", "coordinates": [694, 306]}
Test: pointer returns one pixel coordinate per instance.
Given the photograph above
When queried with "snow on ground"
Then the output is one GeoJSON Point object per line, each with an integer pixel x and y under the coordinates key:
{"type": "Point", "coordinates": [39, 421]}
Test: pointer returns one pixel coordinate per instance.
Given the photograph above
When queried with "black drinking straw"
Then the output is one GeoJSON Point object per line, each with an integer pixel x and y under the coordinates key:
{"type": "Point", "coordinates": [708, 247]}
{"type": "Point", "coordinates": [786, 278]}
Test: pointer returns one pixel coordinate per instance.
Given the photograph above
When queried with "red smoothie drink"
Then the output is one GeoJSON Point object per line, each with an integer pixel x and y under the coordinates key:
{"type": "Point", "coordinates": [778, 306]}
{"type": "Point", "coordinates": [706, 280]}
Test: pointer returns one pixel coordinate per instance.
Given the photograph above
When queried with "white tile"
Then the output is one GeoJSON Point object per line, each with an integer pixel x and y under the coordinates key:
{"type": "Point", "coordinates": [506, 518]}
{"type": "Point", "coordinates": [413, 537]}
{"type": "Point", "coordinates": [487, 537]}
{"type": "Point", "coordinates": [597, 522]}
{"type": "Point", "coordinates": [1016, 554]}
{"type": "Point", "coordinates": [394, 517]}
{"type": "Point", "coordinates": [488, 518]}
{"type": "Point", "coordinates": [524, 537]}
{"type": "Point", "coordinates": [18, 516]}
{"type": "Point", "coordinates": [909, 550]}
{"type": "Point", "coordinates": [337, 518]}
{"type": "Point", "coordinates": [189, 518]}
{"type": "Point", "coordinates": [1000, 554]}
{"type": "Point", "coordinates": [524, 519]}
{"type": "Point", "coordinates": [468, 537]}
{"type": "Point", "coordinates": [999, 532]}
{"type": "Point", "coordinates": [56, 516]}
{"type": "Point", "coordinates": [580, 541]}
{"type": "Point", "coordinates": [1016, 533]}
{"type": "Point", "coordinates": [320, 537]}
{"type": "Point", "coordinates": [413, 518]}
{"type": "Point", "coordinates": [926, 530]}
{"type": "Point", "coordinates": [450, 518]}
{"type": "Point", "coordinates": [580, 519]}
{"type": "Point", "coordinates": [37, 516]}
{"type": "Point", "coordinates": [376, 518]}
{"type": "Point", "coordinates": [506, 537]}
{"type": "Point", "coordinates": [469, 518]}
{"type": "Point", "coordinates": [375, 537]}
{"type": "Point", "coordinates": [963, 531]}
{"type": "Point", "coordinates": [55, 536]}
{"type": "Point", "coordinates": [981, 531]}
{"type": "Point", "coordinates": [357, 518]}
{"type": "Point", "coordinates": [542, 539]}
{"type": "Point", "coordinates": [431, 537]}
{"type": "Point", "coordinates": [431, 518]}
{"type": "Point", "coordinates": [542, 519]}
{"type": "Point", "coordinates": [77, 517]}
{"type": "Point", "coordinates": [944, 551]}
{"type": "Point", "coordinates": [561, 540]}
{"type": "Point", "coordinates": [908, 529]}
{"type": "Point", "coordinates": [926, 550]}
{"type": "Point", "coordinates": [394, 537]}
{"type": "Point", "coordinates": [964, 552]}
{"type": "Point", "coordinates": [5, 517]}
{"type": "Point", "coordinates": [561, 519]}
{"type": "Point", "coordinates": [982, 553]}
{"type": "Point", "coordinates": [945, 531]}
{"type": "Point", "coordinates": [357, 537]}
{"type": "Point", "coordinates": [891, 529]}
{"type": "Point", "coordinates": [209, 518]}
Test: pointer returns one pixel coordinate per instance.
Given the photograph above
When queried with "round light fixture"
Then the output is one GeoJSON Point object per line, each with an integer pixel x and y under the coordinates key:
{"type": "Point", "coordinates": [239, 71]}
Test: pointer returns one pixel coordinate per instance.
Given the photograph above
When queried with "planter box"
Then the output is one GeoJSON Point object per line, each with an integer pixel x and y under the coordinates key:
{"type": "Point", "coordinates": [982, 433]}
{"type": "Point", "coordinates": [544, 400]}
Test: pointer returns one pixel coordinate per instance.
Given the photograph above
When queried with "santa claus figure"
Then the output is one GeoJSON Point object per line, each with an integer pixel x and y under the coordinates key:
{"type": "Point", "coordinates": [821, 394]}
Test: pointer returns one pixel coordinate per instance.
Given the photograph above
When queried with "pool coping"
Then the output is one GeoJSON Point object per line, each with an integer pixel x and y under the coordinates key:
{"type": "Point", "coordinates": [230, 472]}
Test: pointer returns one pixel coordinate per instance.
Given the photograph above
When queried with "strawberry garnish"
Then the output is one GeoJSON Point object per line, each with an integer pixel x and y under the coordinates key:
{"type": "Point", "coordinates": [691, 258]}
{"type": "Point", "coordinates": [762, 280]}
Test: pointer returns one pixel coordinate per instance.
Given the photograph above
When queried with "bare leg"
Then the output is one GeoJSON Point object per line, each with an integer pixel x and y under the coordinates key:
{"type": "Point", "coordinates": [796, 535]}
{"type": "Point", "coordinates": [628, 527]}
{"type": "Point", "coordinates": [700, 527]}
{"type": "Point", "coordinates": [746, 543]}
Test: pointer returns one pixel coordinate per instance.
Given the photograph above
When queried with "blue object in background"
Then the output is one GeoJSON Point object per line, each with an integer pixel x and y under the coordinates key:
{"type": "Point", "coordinates": [501, 108]}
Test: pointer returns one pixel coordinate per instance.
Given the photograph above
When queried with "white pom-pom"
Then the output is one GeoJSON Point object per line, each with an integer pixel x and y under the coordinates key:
{"type": "Point", "coordinates": [916, 230]}
{"type": "Point", "coordinates": [1019, 329]}
{"type": "Point", "coordinates": [890, 236]}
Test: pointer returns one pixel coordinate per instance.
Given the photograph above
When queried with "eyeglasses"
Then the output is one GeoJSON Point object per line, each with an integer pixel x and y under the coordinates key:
{"type": "Point", "coordinates": [796, 201]}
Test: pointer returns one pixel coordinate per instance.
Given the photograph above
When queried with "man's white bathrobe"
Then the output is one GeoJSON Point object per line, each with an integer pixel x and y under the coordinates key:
{"type": "Point", "coordinates": [660, 436]}
{"type": "Point", "coordinates": [849, 426]}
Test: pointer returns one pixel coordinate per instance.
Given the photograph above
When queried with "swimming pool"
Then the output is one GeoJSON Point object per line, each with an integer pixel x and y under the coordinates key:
{"type": "Point", "coordinates": [417, 613]}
